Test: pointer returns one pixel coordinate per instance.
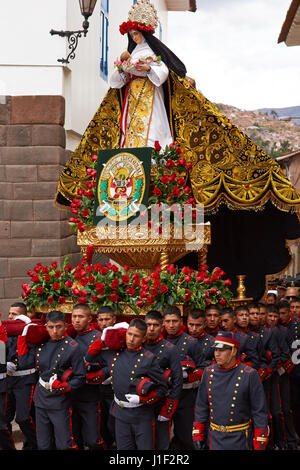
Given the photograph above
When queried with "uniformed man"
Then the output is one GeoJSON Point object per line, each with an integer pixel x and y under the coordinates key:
{"type": "Point", "coordinates": [85, 400]}
{"type": "Point", "coordinates": [134, 411]}
{"type": "Point", "coordinates": [292, 325]}
{"type": "Point", "coordinates": [283, 373]}
{"type": "Point", "coordinates": [61, 370]}
{"type": "Point", "coordinates": [169, 360]}
{"type": "Point", "coordinates": [196, 327]}
{"type": "Point", "coordinates": [6, 439]}
{"type": "Point", "coordinates": [21, 381]}
{"type": "Point", "coordinates": [269, 376]}
{"type": "Point", "coordinates": [106, 317]}
{"type": "Point", "coordinates": [295, 307]}
{"type": "Point", "coordinates": [247, 351]}
{"type": "Point", "coordinates": [191, 361]}
{"type": "Point", "coordinates": [230, 403]}
{"type": "Point", "coordinates": [212, 314]}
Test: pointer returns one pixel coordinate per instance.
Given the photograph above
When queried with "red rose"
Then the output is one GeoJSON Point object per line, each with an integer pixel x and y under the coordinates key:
{"type": "Point", "coordinates": [157, 192]}
{"type": "Point", "coordinates": [54, 265]}
{"type": "Point", "coordinates": [157, 146]}
{"type": "Point", "coordinates": [187, 295]}
{"type": "Point", "coordinates": [213, 290]}
{"type": "Point", "coordinates": [227, 282]}
{"type": "Point", "coordinates": [130, 291]}
{"type": "Point", "coordinates": [69, 283]}
{"type": "Point", "coordinates": [170, 164]}
{"type": "Point", "coordinates": [35, 278]}
{"type": "Point", "coordinates": [140, 303]}
{"type": "Point", "coordinates": [46, 270]}
{"type": "Point", "coordinates": [153, 292]}
{"type": "Point", "coordinates": [56, 286]}
{"type": "Point", "coordinates": [50, 300]}
{"type": "Point", "coordinates": [85, 213]}
{"type": "Point", "coordinates": [39, 290]}
{"type": "Point", "coordinates": [114, 284]}
{"type": "Point", "coordinates": [62, 299]}
{"type": "Point", "coordinates": [125, 279]}
{"type": "Point", "coordinates": [57, 275]}
{"type": "Point", "coordinates": [114, 297]}
{"type": "Point", "coordinates": [99, 285]}
{"type": "Point", "coordinates": [164, 289]}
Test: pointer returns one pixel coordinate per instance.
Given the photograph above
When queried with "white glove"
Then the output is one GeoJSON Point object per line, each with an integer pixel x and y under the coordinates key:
{"type": "Point", "coordinates": [106, 381]}
{"type": "Point", "coordinates": [184, 374]}
{"type": "Point", "coordinates": [132, 398]}
{"type": "Point", "coordinates": [52, 379]}
{"type": "Point", "coordinates": [115, 327]}
{"type": "Point", "coordinates": [11, 367]}
{"type": "Point", "coordinates": [25, 329]}
{"type": "Point", "coordinates": [162, 418]}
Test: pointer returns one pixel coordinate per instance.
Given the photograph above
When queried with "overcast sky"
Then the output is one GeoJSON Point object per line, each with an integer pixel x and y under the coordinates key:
{"type": "Point", "coordinates": [230, 47]}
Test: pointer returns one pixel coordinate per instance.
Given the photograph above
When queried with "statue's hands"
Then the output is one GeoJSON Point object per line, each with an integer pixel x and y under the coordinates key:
{"type": "Point", "coordinates": [143, 67]}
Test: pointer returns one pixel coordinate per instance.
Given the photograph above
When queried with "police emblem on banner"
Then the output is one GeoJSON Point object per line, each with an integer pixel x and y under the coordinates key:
{"type": "Point", "coordinates": [122, 183]}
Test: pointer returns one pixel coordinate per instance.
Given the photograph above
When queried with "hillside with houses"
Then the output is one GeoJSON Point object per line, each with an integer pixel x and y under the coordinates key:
{"type": "Point", "coordinates": [275, 134]}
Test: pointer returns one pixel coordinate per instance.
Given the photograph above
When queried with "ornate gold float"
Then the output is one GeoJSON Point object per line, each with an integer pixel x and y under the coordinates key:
{"type": "Point", "coordinates": [140, 249]}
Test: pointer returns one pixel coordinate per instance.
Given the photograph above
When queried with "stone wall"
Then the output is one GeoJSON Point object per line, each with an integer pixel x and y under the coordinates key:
{"type": "Point", "coordinates": [32, 155]}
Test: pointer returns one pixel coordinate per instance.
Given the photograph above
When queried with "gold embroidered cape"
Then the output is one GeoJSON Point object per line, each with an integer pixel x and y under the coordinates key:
{"type": "Point", "coordinates": [227, 166]}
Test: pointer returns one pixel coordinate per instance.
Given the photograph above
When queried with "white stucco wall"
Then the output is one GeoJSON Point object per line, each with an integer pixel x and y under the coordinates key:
{"type": "Point", "coordinates": [28, 62]}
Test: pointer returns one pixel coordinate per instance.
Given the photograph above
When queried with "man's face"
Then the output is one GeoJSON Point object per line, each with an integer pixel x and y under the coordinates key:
{"type": "Point", "coordinates": [15, 312]}
{"type": "Point", "coordinates": [270, 300]}
{"type": "Point", "coordinates": [225, 357]}
{"type": "Point", "coordinates": [56, 330]}
{"type": "Point", "coordinates": [134, 337]}
{"type": "Point", "coordinates": [227, 322]}
{"type": "Point", "coordinates": [272, 318]}
{"type": "Point", "coordinates": [284, 314]}
{"type": "Point", "coordinates": [295, 309]}
{"type": "Point", "coordinates": [196, 326]}
{"type": "Point", "coordinates": [254, 317]}
{"type": "Point", "coordinates": [262, 315]}
{"type": "Point", "coordinates": [81, 319]}
{"type": "Point", "coordinates": [154, 328]}
{"type": "Point", "coordinates": [212, 319]}
{"type": "Point", "coordinates": [172, 324]}
{"type": "Point", "coordinates": [291, 293]}
{"type": "Point", "coordinates": [242, 319]}
{"type": "Point", "coordinates": [105, 319]}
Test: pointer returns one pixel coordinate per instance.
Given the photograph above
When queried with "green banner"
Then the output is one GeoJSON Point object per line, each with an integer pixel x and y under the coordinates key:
{"type": "Point", "coordinates": [122, 184]}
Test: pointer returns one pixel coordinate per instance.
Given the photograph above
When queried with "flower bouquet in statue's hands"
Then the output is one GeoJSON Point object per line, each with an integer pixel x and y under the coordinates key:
{"type": "Point", "coordinates": [128, 65]}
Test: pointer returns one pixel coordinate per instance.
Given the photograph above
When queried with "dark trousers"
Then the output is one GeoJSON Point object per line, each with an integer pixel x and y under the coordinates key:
{"type": "Point", "coordinates": [86, 424]}
{"type": "Point", "coordinates": [6, 439]}
{"type": "Point", "coordinates": [285, 392]}
{"type": "Point", "coordinates": [54, 429]}
{"type": "Point", "coordinates": [271, 387]}
{"type": "Point", "coordinates": [139, 436]}
{"type": "Point", "coordinates": [107, 421]}
{"type": "Point", "coordinates": [162, 434]}
{"type": "Point", "coordinates": [183, 419]}
{"type": "Point", "coordinates": [295, 400]}
{"type": "Point", "coordinates": [20, 407]}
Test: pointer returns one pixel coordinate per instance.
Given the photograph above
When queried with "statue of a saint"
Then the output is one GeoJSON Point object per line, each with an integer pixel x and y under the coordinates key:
{"type": "Point", "coordinates": [245, 193]}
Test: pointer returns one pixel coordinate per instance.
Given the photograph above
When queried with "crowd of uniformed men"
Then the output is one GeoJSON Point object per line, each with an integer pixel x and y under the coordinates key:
{"type": "Point", "coordinates": [216, 379]}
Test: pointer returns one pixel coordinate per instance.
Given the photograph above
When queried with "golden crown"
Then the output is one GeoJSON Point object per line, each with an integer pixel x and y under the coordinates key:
{"type": "Point", "coordinates": [142, 16]}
